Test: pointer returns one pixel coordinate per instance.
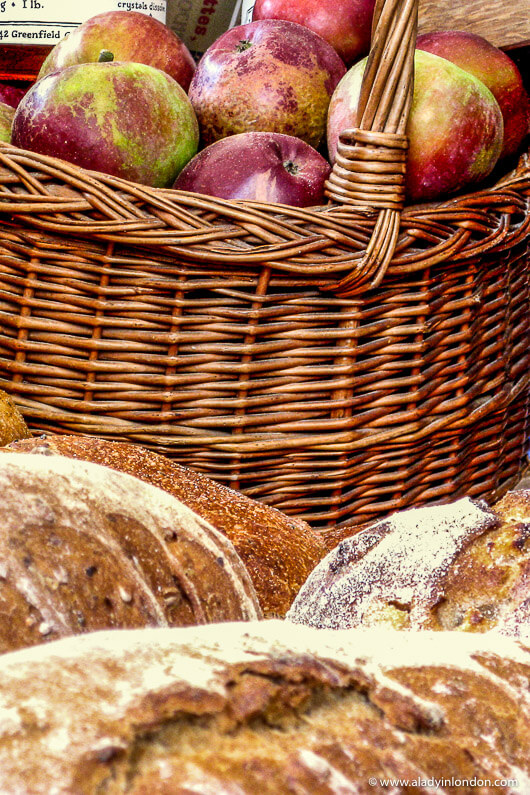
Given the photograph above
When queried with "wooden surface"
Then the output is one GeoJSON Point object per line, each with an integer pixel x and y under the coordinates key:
{"type": "Point", "coordinates": [499, 21]}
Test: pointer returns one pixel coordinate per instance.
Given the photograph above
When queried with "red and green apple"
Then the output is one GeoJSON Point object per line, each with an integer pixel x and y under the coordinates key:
{"type": "Point", "coordinates": [129, 36]}
{"type": "Point", "coordinates": [266, 76]}
{"type": "Point", "coordinates": [455, 126]}
{"type": "Point", "coordinates": [498, 72]}
{"type": "Point", "coordinates": [345, 24]}
{"type": "Point", "coordinates": [125, 119]}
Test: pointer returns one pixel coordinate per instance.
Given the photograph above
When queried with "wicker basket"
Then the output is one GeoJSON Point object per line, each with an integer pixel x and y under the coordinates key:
{"type": "Point", "coordinates": [339, 362]}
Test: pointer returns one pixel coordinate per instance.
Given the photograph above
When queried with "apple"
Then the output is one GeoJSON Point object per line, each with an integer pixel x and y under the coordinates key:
{"type": "Point", "coordinates": [6, 121]}
{"type": "Point", "coordinates": [455, 126]}
{"type": "Point", "coordinates": [497, 71]}
{"type": "Point", "coordinates": [264, 166]}
{"type": "Point", "coordinates": [345, 24]}
{"type": "Point", "coordinates": [266, 76]}
{"type": "Point", "coordinates": [125, 119]}
{"type": "Point", "coordinates": [129, 36]}
{"type": "Point", "coordinates": [11, 95]}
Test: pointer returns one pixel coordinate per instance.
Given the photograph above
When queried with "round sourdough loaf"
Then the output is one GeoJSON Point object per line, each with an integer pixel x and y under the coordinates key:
{"type": "Point", "coordinates": [279, 552]}
{"type": "Point", "coordinates": [83, 548]}
{"type": "Point", "coordinates": [12, 423]}
{"type": "Point", "coordinates": [263, 708]}
{"type": "Point", "coordinates": [461, 566]}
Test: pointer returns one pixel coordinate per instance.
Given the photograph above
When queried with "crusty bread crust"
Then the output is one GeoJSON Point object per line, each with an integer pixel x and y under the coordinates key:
{"type": "Point", "coordinates": [278, 551]}
{"type": "Point", "coordinates": [83, 547]}
{"type": "Point", "coordinates": [248, 708]}
{"type": "Point", "coordinates": [461, 566]}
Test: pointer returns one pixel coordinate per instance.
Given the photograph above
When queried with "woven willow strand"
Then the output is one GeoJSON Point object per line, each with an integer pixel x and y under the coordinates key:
{"type": "Point", "coordinates": [384, 105]}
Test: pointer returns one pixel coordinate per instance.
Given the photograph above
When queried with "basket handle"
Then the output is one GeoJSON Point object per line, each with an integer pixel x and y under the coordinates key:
{"type": "Point", "coordinates": [369, 170]}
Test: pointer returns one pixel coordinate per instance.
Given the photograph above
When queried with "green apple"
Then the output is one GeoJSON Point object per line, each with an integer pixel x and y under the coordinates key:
{"type": "Point", "coordinates": [7, 113]}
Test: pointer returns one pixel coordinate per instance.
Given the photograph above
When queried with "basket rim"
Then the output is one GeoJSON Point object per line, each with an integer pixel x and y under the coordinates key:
{"type": "Point", "coordinates": [62, 199]}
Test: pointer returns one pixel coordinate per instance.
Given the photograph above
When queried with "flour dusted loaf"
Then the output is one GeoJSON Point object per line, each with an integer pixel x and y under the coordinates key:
{"type": "Point", "coordinates": [83, 548]}
{"type": "Point", "coordinates": [279, 551]}
{"type": "Point", "coordinates": [263, 708]}
{"type": "Point", "coordinates": [461, 566]}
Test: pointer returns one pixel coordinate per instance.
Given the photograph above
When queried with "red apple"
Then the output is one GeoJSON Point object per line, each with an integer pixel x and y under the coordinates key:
{"type": "Point", "coordinates": [11, 95]}
{"type": "Point", "coordinates": [345, 24]}
{"type": "Point", "coordinates": [455, 126]}
{"type": "Point", "coordinates": [125, 119]}
{"type": "Point", "coordinates": [268, 76]}
{"type": "Point", "coordinates": [496, 70]}
{"type": "Point", "coordinates": [129, 36]}
{"type": "Point", "coordinates": [264, 166]}
{"type": "Point", "coordinates": [6, 121]}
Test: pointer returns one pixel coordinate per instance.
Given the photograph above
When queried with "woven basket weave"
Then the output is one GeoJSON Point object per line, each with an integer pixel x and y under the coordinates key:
{"type": "Point", "coordinates": [339, 362]}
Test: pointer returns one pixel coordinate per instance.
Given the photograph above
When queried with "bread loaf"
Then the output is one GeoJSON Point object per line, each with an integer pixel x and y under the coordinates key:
{"type": "Point", "coordinates": [263, 708]}
{"type": "Point", "coordinates": [279, 552]}
{"type": "Point", "coordinates": [83, 548]}
{"type": "Point", "coordinates": [461, 566]}
{"type": "Point", "coordinates": [12, 423]}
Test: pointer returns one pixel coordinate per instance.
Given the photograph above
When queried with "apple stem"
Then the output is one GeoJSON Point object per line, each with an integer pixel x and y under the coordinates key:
{"type": "Point", "coordinates": [291, 167]}
{"type": "Point", "coordinates": [243, 45]}
{"type": "Point", "coordinates": [105, 55]}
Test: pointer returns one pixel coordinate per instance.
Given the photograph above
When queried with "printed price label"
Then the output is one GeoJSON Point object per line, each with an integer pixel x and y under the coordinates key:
{"type": "Point", "coordinates": [48, 21]}
{"type": "Point", "coordinates": [199, 22]}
